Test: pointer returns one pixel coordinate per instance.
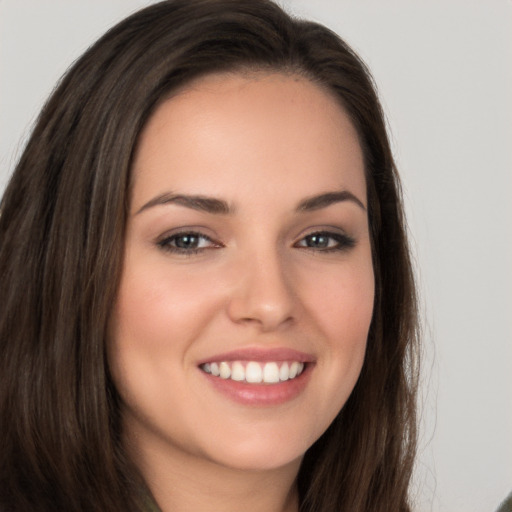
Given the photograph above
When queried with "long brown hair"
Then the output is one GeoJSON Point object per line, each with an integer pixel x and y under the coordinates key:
{"type": "Point", "coordinates": [62, 222]}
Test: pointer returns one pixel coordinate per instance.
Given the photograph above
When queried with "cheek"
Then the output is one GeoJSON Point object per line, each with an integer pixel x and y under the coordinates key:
{"type": "Point", "coordinates": [157, 308]}
{"type": "Point", "coordinates": [341, 304]}
{"type": "Point", "coordinates": [157, 318]}
{"type": "Point", "coordinates": [159, 314]}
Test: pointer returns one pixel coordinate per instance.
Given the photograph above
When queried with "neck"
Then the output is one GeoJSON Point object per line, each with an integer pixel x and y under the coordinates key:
{"type": "Point", "coordinates": [181, 482]}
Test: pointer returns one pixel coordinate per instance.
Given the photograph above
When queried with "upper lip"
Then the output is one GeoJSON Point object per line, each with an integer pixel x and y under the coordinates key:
{"type": "Point", "coordinates": [260, 354]}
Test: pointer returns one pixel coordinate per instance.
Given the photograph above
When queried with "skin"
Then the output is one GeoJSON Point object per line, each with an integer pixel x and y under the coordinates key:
{"type": "Point", "coordinates": [263, 143]}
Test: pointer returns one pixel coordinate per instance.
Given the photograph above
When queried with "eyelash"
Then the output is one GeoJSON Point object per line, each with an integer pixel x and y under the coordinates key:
{"type": "Point", "coordinates": [343, 242]}
{"type": "Point", "coordinates": [165, 243]}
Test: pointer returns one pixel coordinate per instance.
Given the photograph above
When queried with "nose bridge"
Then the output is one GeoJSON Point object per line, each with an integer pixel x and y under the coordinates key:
{"type": "Point", "coordinates": [263, 291]}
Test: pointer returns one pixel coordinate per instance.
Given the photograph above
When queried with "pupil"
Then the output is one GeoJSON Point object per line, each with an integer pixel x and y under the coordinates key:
{"type": "Point", "coordinates": [318, 241]}
{"type": "Point", "coordinates": [186, 241]}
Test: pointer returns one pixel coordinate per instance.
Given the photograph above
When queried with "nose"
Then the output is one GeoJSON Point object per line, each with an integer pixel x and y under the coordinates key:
{"type": "Point", "coordinates": [263, 293]}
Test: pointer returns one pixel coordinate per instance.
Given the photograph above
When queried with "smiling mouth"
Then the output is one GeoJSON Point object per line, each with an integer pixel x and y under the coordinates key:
{"type": "Point", "coordinates": [253, 372]}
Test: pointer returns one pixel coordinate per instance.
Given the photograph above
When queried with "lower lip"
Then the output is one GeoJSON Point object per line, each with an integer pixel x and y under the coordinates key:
{"type": "Point", "coordinates": [261, 394]}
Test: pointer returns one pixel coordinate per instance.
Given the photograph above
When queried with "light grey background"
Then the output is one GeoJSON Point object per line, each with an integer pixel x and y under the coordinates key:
{"type": "Point", "coordinates": [444, 70]}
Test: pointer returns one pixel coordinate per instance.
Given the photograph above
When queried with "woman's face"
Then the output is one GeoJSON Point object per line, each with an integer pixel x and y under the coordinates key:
{"type": "Point", "coordinates": [247, 288]}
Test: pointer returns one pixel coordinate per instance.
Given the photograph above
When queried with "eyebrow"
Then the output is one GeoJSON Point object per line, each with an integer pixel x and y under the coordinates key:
{"type": "Point", "coordinates": [220, 207]}
{"type": "Point", "coordinates": [195, 202]}
{"type": "Point", "coordinates": [324, 200]}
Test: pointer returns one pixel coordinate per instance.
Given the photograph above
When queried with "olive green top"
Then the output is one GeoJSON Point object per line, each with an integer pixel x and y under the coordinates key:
{"type": "Point", "coordinates": [506, 506]}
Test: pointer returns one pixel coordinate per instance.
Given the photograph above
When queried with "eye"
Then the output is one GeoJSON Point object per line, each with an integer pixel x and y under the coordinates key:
{"type": "Point", "coordinates": [326, 241]}
{"type": "Point", "coordinates": [187, 242]}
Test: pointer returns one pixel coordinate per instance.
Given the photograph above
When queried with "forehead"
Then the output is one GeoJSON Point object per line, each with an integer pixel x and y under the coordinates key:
{"type": "Point", "coordinates": [252, 132]}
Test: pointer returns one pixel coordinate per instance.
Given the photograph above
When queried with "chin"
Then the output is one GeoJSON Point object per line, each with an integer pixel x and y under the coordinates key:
{"type": "Point", "coordinates": [262, 451]}
{"type": "Point", "coordinates": [259, 460]}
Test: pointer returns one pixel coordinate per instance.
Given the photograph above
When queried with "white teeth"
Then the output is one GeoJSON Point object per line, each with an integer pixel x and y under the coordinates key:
{"type": "Point", "coordinates": [214, 367]}
{"type": "Point", "coordinates": [254, 372]}
{"type": "Point", "coordinates": [271, 373]}
{"type": "Point", "coordinates": [294, 370]}
{"type": "Point", "coordinates": [238, 371]}
{"type": "Point", "coordinates": [225, 370]}
{"type": "Point", "coordinates": [284, 372]}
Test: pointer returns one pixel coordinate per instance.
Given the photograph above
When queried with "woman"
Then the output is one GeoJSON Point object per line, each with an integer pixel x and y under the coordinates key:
{"type": "Point", "coordinates": [208, 300]}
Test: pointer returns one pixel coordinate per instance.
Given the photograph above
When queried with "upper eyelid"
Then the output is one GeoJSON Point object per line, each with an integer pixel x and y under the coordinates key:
{"type": "Point", "coordinates": [342, 239]}
{"type": "Point", "coordinates": [177, 234]}
{"type": "Point", "coordinates": [199, 232]}
{"type": "Point", "coordinates": [186, 230]}
{"type": "Point", "coordinates": [325, 230]}
{"type": "Point", "coordinates": [328, 234]}
{"type": "Point", "coordinates": [332, 231]}
{"type": "Point", "coordinates": [165, 244]}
